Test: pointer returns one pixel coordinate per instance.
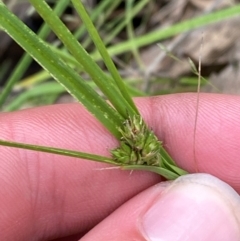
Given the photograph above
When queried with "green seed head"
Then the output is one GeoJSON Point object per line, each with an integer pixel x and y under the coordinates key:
{"type": "Point", "coordinates": [138, 144]}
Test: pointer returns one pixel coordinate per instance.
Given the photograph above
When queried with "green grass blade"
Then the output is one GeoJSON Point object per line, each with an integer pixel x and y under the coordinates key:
{"type": "Point", "coordinates": [159, 170]}
{"type": "Point", "coordinates": [102, 50]}
{"type": "Point", "coordinates": [34, 79]}
{"type": "Point", "coordinates": [59, 70]}
{"type": "Point", "coordinates": [102, 18]}
{"type": "Point", "coordinates": [105, 84]}
{"type": "Point", "coordinates": [130, 32]}
{"type": "Point", "coordinates": [64, 152]}
{"type": "Point", "coordinates": [136, 9]}
{"type": "Point", "coordinates": [165, 33]}
{"type": "Point", "coordinates": [58, 151]}
{"type": "Point", "coordinates": [25, 61]}
{"type": "Point", "coordinates": [51, 88]}
{"type": "Point", "coordinates": [102, 7]}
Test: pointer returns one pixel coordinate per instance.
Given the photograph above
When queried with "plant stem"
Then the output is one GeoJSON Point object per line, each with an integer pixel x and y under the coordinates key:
{"type": "Point", "coordinates": [59, 151]}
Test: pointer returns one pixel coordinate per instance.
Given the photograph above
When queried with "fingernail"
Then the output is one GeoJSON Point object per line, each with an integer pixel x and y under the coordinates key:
{"type": "Point", "coordinates": [194, 207]}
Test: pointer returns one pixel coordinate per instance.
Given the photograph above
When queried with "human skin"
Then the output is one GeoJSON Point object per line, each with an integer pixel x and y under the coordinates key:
{"type": "Point", "coordinates": [45, 196]}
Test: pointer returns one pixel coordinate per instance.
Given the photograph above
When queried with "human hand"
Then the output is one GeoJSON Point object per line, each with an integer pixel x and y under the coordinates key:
{"type": "Point", "coordinates": [45, 196]}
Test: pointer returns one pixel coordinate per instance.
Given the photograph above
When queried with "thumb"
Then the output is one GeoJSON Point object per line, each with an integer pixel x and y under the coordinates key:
{"type": "Point", "coordinates": [196, 207]}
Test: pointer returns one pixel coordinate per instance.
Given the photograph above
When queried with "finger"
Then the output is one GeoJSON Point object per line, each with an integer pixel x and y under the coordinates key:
{"type": "Point", "coordinates": [69, 187]}
{"type": "Point", "coordinates": [58, 196]}
{"type": "Point", "coordinates": [194, 207]}
{"type": "Point", "coordinates": [209, 145]}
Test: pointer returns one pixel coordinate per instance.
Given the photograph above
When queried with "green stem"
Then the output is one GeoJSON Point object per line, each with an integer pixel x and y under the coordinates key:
{"type": "Point", "coordinates": [59, 151]}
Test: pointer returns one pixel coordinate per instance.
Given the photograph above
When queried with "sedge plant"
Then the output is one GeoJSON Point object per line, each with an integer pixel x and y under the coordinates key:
{"type": "Point", "coordinates": [139, 148]}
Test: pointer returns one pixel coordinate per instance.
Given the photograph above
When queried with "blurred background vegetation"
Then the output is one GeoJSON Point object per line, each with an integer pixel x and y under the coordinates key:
{"type": "Point", "coordinates": [152, 61]}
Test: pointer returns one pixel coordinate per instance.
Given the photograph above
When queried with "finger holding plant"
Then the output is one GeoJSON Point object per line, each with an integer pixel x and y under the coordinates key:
{"type": "Point", "coordinates": [139, 148]}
